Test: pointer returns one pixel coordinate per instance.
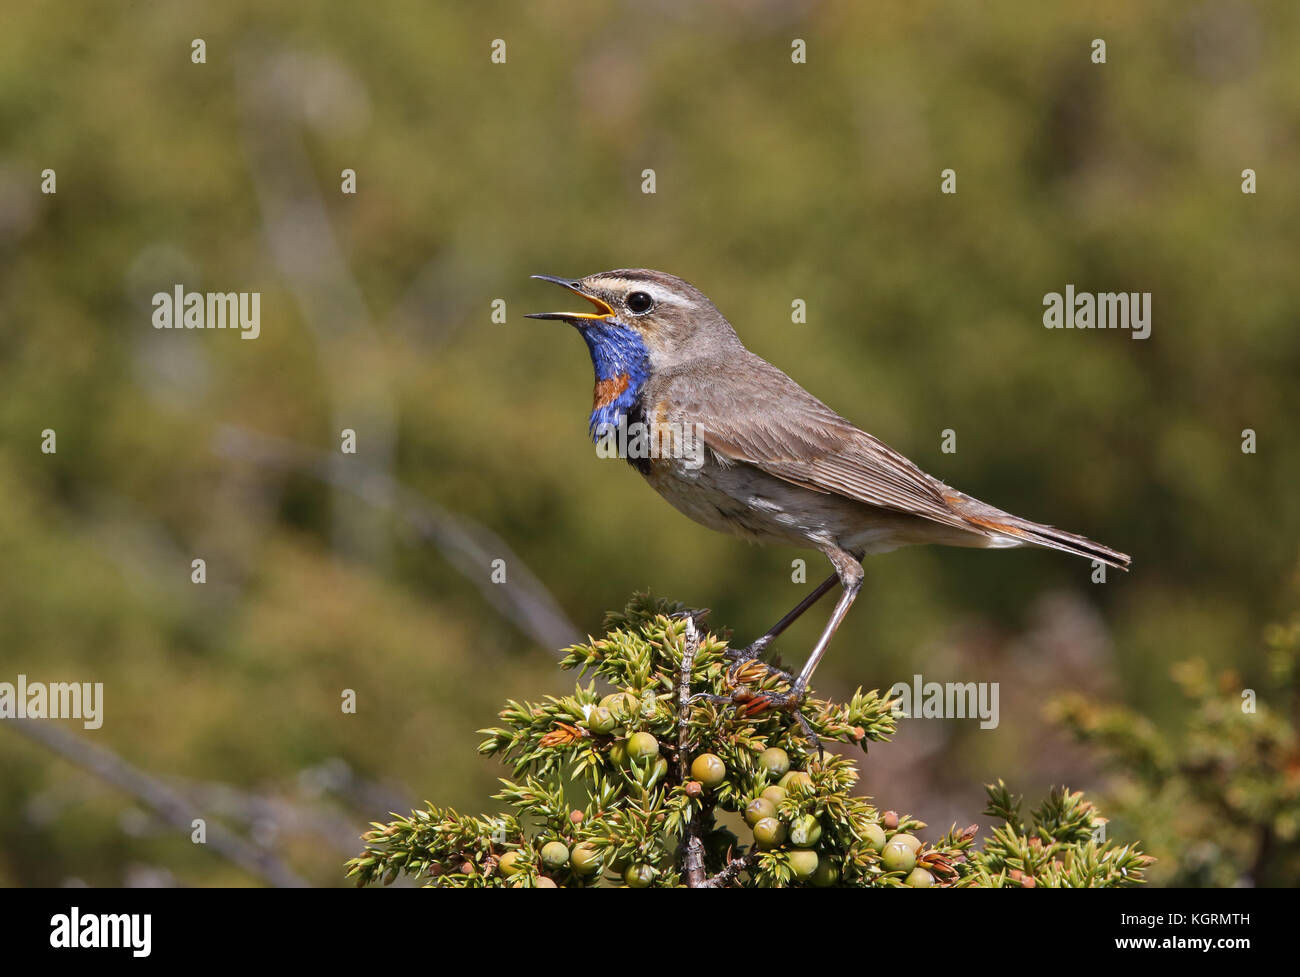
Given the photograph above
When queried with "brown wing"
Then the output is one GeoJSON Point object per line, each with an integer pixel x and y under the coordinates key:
{"type": "Point", "coordinates": [753, 413]}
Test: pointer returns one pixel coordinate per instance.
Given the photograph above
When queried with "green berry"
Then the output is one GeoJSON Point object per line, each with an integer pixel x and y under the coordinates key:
{"type": "Point", "coordinates": [795, 778]}
{"type": "Point", "coordinates": [769, 832]}
{"type": "Point", "coordinates": [920, 878]}
{"type": "Point", "coordinates": [709, 770]}
{"type": "Point", "coordinates": [544, 883]}
{"type": "Point", "coordinates": [911, 841]}
{"type": "Point", "coordinates": [621, 704]}
{"type": "Point", "coordinates": [601, 720]}
{"type": "Point", "coordinates": [641, 746]}
{"type": "Point", "coordinates": [757, 809]}
{"type": "Point", "coordinates": [897, 857]}
{"type": "Point", "coordinates": [826, 875]}
{"type": "Point", "coordinates": [618, 753]}
{"type": "Point", "coordinates": [775, 761]}
{"type": "Point", "coordinates": [806, 832]}
{"type": "Point", "coordinates": [803, 863]}
{"type": "Point", "coordinates": [585, 859]}
{"type": "Point", "coordinates": [639, 876]}
{"type": "Point", "coordinates": [775, 794]}
{"type": "Point", "coordinates": [555, 855]}
{"type": "Point", "coordinates": [511, 863]}
{"type": "Point", "coordinates": [874, 835]}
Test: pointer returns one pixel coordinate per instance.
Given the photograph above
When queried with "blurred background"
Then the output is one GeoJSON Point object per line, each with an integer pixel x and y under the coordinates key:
{"type": "Point", "coordinates": [775, 181]}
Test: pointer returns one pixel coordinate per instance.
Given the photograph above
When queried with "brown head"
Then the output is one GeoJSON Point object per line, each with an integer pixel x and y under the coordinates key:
{"type": "Point", "coordinates": [672, 319]}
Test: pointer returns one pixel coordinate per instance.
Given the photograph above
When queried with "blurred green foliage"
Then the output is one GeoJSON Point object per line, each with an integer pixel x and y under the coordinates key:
{"type": "Point", "coordinates": [1218, 801]}
{"type": "Point", "coordinates": [775, 181]}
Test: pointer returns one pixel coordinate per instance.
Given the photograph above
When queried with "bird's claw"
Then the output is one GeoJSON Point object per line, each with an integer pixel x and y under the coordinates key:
{"type": "Point", "coordinates": [709, 697]}
{"type": "Point", "coordinates": [751, 703]}
{"type": "Point", "coordinates": [748, 653]}
{"type": "Point", "coordinates": [696, 614]}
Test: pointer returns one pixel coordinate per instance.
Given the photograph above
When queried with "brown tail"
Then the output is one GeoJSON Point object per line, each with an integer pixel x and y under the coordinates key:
{"type": "Point", "coordinates": [1036, 534]}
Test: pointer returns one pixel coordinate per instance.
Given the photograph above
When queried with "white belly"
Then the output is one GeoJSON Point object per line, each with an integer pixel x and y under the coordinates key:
{"type": "Point", "coordinates": [745, 501]}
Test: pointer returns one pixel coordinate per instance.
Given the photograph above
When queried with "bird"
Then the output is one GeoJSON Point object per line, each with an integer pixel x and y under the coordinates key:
{"type": "Point", "coordinates": [744, 449]}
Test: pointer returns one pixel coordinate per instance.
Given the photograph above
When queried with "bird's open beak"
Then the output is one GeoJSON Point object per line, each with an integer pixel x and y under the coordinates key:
{"type": "Point", "coordinates": [602, 308]}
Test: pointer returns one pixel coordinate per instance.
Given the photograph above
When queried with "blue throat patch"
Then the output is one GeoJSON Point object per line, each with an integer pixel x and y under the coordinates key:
{"type": "Point", "coordinates": [622, 366]}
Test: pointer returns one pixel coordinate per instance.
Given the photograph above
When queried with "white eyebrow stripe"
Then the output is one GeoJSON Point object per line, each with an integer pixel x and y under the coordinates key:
{"type": "Point", "coordinates": [658, 292]}
{"type": "Point", "coordinates": [663, 295]}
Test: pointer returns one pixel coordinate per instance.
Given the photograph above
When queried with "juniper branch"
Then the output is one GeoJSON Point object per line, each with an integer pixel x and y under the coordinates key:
{"type": "Point", "coordinates": [731, 871]}
{"type": "Point", "coordinates": [656, 762]}
{"type": "Point", "coordinates": [693, 849]}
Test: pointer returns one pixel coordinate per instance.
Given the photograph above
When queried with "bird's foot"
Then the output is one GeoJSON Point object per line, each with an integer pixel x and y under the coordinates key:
{"type": "Point", "coordinates": [696, 614]}
{"type": "Point", "coordinates": [717, 700]}
{"type": "Point", "coordinates": [748, 669]}
{"type": "Point", "coordinates": [751, 702]}
{"type": "Point", "coordinates": [750, 651]}
{"type": "Point", "coordinates": [746, 678]}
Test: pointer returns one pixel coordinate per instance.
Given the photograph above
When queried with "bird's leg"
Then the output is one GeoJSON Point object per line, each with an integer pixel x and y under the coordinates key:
{"type": "Point", "coordinates": [852, 580]}
{"type": "Point", "coordinates": [756, 648]}
{"type": "Point", "coordinates": [753, 651]}
{"type": "Point", "coordinates": [849, 572]}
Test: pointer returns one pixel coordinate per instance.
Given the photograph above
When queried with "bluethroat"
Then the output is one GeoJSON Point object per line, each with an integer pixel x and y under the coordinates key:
{"type": "Point", "coordinates": [734, 443]}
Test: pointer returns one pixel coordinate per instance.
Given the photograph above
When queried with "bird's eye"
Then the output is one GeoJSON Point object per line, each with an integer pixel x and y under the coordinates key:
{"type": "Point", "coordinates": [639, 303]}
